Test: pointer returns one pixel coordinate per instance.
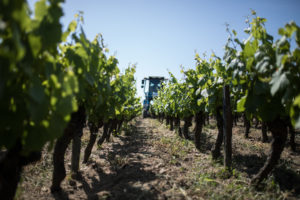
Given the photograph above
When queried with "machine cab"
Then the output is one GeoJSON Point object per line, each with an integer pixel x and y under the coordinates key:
{"type": "Point", "coordinates": [151, 86]}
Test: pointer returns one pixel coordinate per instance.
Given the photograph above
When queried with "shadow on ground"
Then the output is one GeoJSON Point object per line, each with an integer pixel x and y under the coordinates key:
{"type": "Point", "coordinates": [124, 181]}
{"type": "Point", "coordinates": [286, 178]}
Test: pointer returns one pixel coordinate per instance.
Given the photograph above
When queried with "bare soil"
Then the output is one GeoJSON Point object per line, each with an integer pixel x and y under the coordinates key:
{"type": "Point", "coordinates": [147, 161]}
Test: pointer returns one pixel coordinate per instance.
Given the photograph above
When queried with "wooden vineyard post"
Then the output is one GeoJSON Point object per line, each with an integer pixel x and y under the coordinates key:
{"type": "Point", "coordinates": [227, 116]}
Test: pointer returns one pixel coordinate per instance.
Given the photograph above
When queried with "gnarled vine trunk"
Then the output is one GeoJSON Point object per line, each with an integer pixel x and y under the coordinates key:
{"type": "Point", "coordinates": [171, 123]}
{"type": "Point", "coordinates": [247, 126]}
{"type": "Point", "coordinates": [187, 124]}
{"type": "Point", "coordinates": [216, 151]}
{"type": "Point", "coordinates": [278, 129]}
{"type": "Point", "coordinates": [112, 128]}
{"type": "Point", "coordinates": [167, 120]}
{"type": "Point", "coordinates": [11, 166]}
{"type": "Point", "coordinates": [105, 133]}
{"type": "Point", "coordinates": [162, 117]}
{"type": "Point", "coordinates": [93, 136]}
{"type": "Point", "coordinates": [177, 126]}
{"type": "Point", "coordinates": [199, 120]}
{"type": "Point", "coordinates": [120, 123]}
{"type": "Point", "coordinates": [74, 127]}
{"type": "Point", "coordinates": [76, 146]}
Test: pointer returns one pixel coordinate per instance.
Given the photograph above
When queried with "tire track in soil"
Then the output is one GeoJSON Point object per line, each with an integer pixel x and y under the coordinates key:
{"type": "Point", "coordinates": [129, 167]}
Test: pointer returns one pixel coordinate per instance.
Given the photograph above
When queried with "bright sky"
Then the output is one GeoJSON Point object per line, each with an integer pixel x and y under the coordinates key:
{"type": "Point", "coordinates": [161, 35]}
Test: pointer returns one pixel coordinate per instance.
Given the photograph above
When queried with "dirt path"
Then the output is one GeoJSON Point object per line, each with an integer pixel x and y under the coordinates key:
{"type": "Point", "coordinates": [130, 167]}
{"type": "Point", "coordinates": [151, 162]}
